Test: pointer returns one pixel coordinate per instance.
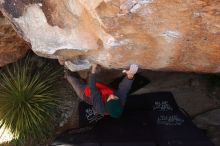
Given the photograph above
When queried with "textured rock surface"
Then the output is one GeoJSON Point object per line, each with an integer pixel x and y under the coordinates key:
{"type": "Point", "coordinates": [211, 122]}
{"type": "Point", "coordinates": [12, 47]}
{"type": "Point", "coordinates": [156, 34]}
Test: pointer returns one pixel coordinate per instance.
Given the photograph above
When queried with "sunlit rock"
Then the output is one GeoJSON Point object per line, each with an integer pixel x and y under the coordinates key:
{"type": "Point", "coordinates": [156, 34]}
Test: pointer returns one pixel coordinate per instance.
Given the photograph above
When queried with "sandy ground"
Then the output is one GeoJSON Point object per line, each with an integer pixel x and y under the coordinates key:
{"type": "Point", "coordinates": [5, 135]}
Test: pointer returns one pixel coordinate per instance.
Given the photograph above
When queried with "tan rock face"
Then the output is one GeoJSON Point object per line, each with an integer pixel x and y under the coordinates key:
{"type": "Point", "coordinates": [12, 47]}
{"type": "Point", "coordinates": [156, 34]}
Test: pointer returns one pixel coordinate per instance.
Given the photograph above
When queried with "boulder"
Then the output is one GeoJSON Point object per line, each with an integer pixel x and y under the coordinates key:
{"type": "Point", "coordinates": [155, 34]}
{"type": "Point", "coordinates": [12, 47]}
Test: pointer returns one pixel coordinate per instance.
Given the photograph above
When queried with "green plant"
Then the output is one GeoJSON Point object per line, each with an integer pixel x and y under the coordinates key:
{"type": "Point", "coordinates": [28, 101]}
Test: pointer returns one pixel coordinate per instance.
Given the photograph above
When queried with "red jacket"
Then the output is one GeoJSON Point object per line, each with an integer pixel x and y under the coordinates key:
{"type": "Point", "coordinates": [104, 90]}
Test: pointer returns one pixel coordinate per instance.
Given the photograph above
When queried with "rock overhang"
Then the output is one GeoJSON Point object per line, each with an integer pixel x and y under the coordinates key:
{"type": "Point", "coordinates": [157, 35]}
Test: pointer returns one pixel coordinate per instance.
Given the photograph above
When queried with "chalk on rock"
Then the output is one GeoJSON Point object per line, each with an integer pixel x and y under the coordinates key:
{"type": "Point", "coordinates": [77, 64]}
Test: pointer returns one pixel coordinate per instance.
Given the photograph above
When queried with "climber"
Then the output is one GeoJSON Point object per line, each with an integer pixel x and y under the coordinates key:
{"type": "Point", "coordinates": [104, 100]}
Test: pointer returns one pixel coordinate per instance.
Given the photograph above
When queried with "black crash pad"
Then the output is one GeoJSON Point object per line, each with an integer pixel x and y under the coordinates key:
{"type": "Point", "coordinates": [148, 119]}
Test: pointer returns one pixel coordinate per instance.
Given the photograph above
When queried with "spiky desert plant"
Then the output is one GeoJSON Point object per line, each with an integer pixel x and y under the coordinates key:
{"type": "Point", "coordinates": [28, 101]}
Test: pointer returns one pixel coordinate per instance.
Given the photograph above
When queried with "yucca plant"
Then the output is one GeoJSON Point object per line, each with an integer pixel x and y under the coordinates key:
{"type": "Point", "coordinates": [28, 101]}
